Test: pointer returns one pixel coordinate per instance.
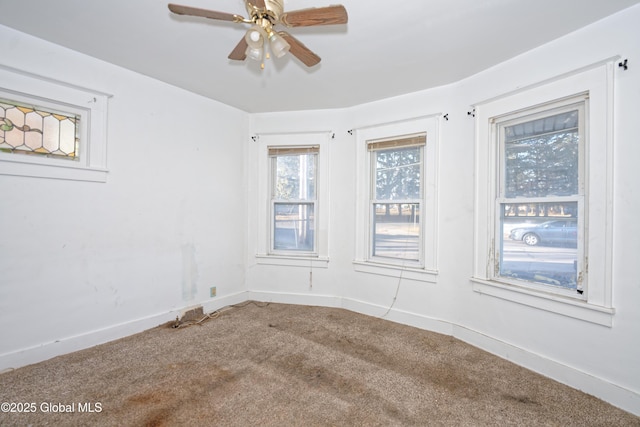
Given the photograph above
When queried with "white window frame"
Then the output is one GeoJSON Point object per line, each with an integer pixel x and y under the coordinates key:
{"type": "Point", "coordinates": [373, 201]}
{"type": "Point", "coordinates": [319, 258]}
{"type": "Point", "coordinates": [424, 270]}
{"type": "Point", "coordinates": [308, 201]}
{"type": "Point", "coordinates": [91, 106]}
{"type": "Point", "coordinates": [580, 103]}
{"type": "Point", "coordinates": [595, 304]}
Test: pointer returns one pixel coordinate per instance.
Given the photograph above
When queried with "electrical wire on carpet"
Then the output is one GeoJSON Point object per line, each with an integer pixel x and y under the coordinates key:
{"type": "Point", "coordinates": [179, 324]}
{"type": "Point", "coordinates": [214, 315]}
{"type": "Point", "coordinates": [257, 304]}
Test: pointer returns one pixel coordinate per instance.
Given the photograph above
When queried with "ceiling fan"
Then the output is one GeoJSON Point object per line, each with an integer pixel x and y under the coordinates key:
{"type": "Point", "coordinates": [264, 15]}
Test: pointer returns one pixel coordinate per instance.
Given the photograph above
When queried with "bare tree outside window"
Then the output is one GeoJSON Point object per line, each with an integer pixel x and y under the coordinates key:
{"type": "Point", "coordinates": [539, 203]}
{"type": "Point", "coordinates": [396, 203]}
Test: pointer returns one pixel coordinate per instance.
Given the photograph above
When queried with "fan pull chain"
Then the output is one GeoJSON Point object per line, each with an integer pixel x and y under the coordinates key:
{"type": "Point", "coordinates": [267, 56]}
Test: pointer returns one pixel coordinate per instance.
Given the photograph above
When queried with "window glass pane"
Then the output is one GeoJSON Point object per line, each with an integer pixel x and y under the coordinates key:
{"type": "Point", "coordinates": [295, 177]}
{"type": "Point", "coordinates": [539, 243]}
{"type": "Point", "coordinates": [397, 173]}
{"type": "Point", "coordinates": [294, 226]}
{"type": "Point", "coordinates": [32, 130]}
{"type": "Point", "coordinates": [541, 156]}
{"type": "Point", "coordinates": [396, 230]}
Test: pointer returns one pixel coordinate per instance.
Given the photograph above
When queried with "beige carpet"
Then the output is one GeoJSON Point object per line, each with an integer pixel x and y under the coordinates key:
{"type": "Point", "coordinates": [287, 365]}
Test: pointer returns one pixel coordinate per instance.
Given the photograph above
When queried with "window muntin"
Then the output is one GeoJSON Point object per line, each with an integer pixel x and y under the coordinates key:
{"type": "Point", "coordinates": [27, 129]}
{"type": "Point", "coordinates": [293, 199]}
{"type": "Point", "coordinates": [540, 209]}
{"type": "Point", "coordinates": [396, 199]}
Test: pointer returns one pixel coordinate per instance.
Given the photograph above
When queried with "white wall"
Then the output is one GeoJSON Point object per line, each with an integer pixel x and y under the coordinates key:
{"type": "Point", "coordinates": [600, 360]}
{"type": "Point", "coordinates": [84, 262]}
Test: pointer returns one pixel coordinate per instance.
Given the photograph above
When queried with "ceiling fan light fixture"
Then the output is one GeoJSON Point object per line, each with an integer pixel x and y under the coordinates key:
{"type": "Point", "coordinates": [279, 45]}
{"type": "Point", "coordinates": [255, 37]}
{"type": "Point", "coordinates": [254, 53]}
{"type": "Point", "coordinates": [261, 38]}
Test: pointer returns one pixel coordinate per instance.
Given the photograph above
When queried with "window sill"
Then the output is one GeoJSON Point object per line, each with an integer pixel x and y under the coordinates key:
{"type": "Point", "coordinates": [52, 171]}
{"type": "Point", "coordinates": [576, 309]}
{"type": "Point", "coordinates": [409, 273]}
{"type": "Point", "coordinates": [293, 261]}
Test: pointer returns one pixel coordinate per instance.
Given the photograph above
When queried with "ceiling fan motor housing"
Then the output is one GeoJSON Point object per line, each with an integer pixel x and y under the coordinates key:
{"type": "Point", "coordinates": [274, 9]}
{"type": "Point", "coordinates": [275, 6]}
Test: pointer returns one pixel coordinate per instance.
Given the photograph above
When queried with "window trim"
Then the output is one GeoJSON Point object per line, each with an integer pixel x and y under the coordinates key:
{"type": "Point", "coordinates": [597, 81]}
{"type": "Point", "coordinates": [264, 255]}
{"type": "Point", "coordinates": [274, 152]}
{"type": "Point", "coordinates": [91, 105]}
{"type": "Point", "coordinates": [363, 262]}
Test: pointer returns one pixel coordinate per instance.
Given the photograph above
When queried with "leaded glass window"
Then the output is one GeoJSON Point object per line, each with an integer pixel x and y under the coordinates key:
{"type": "Point", "coordinates": [27, 129]}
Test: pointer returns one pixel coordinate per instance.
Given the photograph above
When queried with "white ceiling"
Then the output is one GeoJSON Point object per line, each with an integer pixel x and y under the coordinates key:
{"type": "Point", "coordinates": [386, 49]}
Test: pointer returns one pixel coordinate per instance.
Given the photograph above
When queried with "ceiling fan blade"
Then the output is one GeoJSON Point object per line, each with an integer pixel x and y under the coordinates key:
{"type": "Point", "coordinates": [259, 4]}
{"type": "Point", "coordinates": [205, 13]}
{"type": "Point", "coordinates": [300, 51]}
{"type": "Point", "coordinates": [330, 15]}
{"type": "Point", "coordinates": [239, 52]}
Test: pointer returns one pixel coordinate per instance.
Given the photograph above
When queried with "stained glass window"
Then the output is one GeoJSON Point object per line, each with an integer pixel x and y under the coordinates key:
{"type": "Point", "coordinates": [28, 129]}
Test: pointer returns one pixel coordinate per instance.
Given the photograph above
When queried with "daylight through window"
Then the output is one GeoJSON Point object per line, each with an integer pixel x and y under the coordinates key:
{"type": "Point", "coordinates": [293, 198]}
{"type": "Point", "coordinates": [540, 200]}
{"type": "Point", "coordinates": [396, 198]}
{"type": "Point", "coordinates": [33, 130]}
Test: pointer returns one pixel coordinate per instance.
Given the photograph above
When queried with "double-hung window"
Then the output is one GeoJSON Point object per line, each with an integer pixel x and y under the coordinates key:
{"type": "Point", "coordinates": [293, 199]}
{"type": "Point", "coordinates": [540, 203]}
{"type": "Point", "coordinates": [292, 206]}
{"type": "Point", "coordinates": [396, 212]}
{"type": "Point", "coordinates": [396, 199]}
{"type": "Point", "coordinates": [543, 195]}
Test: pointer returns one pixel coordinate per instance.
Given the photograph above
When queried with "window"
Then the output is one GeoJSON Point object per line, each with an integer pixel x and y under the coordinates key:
{"type": "Point", "coordinates": [396, 198]}
{"type": "Point", "coordinates": [293, 198]}
{"type": "Point", "coordinates": [291, 181]}
{"type": "Point", "coordinates": [51, 129]}
{"type": "Point", "coordinates": [27, 129]}
{"type": "Point", "coordinates": [544, 179]}
{"type": "Point", "coordinates": [541, 234]}
{"type": "Point", "coordinates": [396, 216]}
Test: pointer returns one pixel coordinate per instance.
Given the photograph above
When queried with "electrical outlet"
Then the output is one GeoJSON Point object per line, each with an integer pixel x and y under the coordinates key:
{"type": "Point", "coordinates": [212, 291]}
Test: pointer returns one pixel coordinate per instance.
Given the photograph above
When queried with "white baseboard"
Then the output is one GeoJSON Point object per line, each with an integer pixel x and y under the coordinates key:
{"type": "Point", "coordinates": [28, 356]}
{"type": "Point", "coordinates": [621, 397]}
{"type": "Point", "coordinates": [217, 303]}
{"type": "Point", "coordinates": [398, 316]}
{"type": "Point", "coordinates": [39, 353]}
{"type": "Point", "coordinates": [291, 298]}
{"type": "Point", "coordinates": [614, 394]}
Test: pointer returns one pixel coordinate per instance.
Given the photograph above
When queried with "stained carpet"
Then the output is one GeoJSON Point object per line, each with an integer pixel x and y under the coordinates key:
{"type": "Point", "coordinates": [289, 365]}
